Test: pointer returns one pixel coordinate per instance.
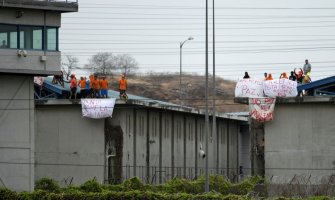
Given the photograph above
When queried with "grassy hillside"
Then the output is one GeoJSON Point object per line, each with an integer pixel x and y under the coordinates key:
{"type": "Point", "coordinates": [166, 87]}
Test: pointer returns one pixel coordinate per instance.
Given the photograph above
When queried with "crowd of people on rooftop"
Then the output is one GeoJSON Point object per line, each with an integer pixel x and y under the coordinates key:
{"type": "Point", "coordinates": [301, 75]}
{"type": "Point", "coordinates": [93, 87]}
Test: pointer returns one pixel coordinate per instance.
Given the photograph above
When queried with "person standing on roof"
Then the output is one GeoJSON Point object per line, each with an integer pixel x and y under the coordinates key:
{"type": "Point", "coordinates": [122, 85]}
{"type": "Point", "coordinates": [307, 67]}
{"type": "Point", "coordinates": [104, 87]}
{"type": "Point", "coordinates": [246, 75]}
{"type": "Point", "coordinates": [265, 75]}
{"type": "Point", "coordinates": [269, 78]}
{"type": "Point", "coordinates": [292, 77]}
{"type": "Point", "coordinates": [299, 75]}
{"type": "Point", "coordinates": [73, 87]}
{"type": "Point", "coordinates": [82, 85]}
{"type": "Point", "coordinates": [96, 87]}
{"type": "Point", "coordinates": [283, 75]}
{"type": "Point", "coordinates": [88, 88]}
{"type": "Point", "coordinates": [307, 78]}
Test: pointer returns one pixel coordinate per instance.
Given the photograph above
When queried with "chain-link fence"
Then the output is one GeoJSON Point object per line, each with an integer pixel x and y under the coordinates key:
{"type": "Point", "coordinates": [298, 185]}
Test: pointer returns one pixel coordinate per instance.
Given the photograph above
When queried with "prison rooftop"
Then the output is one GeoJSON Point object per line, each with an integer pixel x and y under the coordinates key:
{"type": "Point", "coordinates": [56, 94]}
{"type": "Point", "coordinates": [54, 5]}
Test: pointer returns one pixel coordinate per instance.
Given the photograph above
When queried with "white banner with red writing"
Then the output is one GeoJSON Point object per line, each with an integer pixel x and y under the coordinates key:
{"type": "Point", "coordinates": [280, 88]}
{"type": "Point", "coordinates": [261, 109]}
{"type": "Point", "coordinates": [97, 108]}
{"type": "Point", "coordinates": [249, 88]}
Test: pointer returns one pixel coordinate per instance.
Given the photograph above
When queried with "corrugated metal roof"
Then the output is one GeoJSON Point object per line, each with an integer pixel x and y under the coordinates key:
{"type": "Point", "coordinates": [317, 84]}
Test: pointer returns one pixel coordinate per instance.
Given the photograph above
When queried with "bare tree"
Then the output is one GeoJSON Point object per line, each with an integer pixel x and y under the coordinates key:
{"type": "Point", "coordinates": [102, 62]}
{"type": "Point", "coordinates": [69, 63]}
{"type": "Point", "coordinates": [126, 63]}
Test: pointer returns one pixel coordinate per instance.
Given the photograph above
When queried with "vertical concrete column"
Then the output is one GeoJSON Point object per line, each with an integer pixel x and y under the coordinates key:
{"type": "Point", "coordinates": [147, 158]}
{"type": "Point", "coordinates": [217, 147]}
{"type": "Point", "coordinates": [237, 150]}
{"type": "Point", "coordinates": [172, 145]}
{"type": "Point", "coordinates": [184, 144]}
{"type": "Point", "coordinates": [31, 132]}
{"type": "Point", "coordinates": [256, 135]}
{"type": "Point", "coordinates": [160, 146]}
{"type": "Point", "coordinates": [134, 140]}
{"type": "Point", "coordinates": [196, 150]}
{"type": "Point", "coordinates": [228, 157]}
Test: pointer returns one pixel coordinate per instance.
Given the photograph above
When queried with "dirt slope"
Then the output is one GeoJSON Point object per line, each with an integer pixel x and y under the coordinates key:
{"type": "Point", "coordinates": [166, 87]}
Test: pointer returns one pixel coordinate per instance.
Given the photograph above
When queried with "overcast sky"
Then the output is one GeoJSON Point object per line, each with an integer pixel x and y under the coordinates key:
{"type": "Point", "coordinates": [254, 36]}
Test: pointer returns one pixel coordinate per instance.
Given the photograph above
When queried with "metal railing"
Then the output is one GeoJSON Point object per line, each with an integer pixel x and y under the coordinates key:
{"type": "Point", "coordinates": [298, 185]}
{"type": "Point", "coordinates": [157, 175]}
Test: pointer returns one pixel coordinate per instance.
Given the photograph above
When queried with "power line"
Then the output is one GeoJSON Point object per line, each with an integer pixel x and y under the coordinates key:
{"type": "Point", "coordinates": [131, 6]}
{"type": "Point", "coordinates": [171, 48]}
{"type": "Point", "coordinates": [178, 23]}
{"type": "Point", "coordinates": [230, 28]}
{"type": "Point", "coordinates": [199, 18]}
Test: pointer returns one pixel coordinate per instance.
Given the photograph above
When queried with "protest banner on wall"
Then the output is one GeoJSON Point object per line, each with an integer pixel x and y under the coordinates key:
{"type": "Point", "coordinates": [261, 109]}
{"type": "Point", "coordinates": [97, 108]}
{"type": "Point", "coordinates": [249, 88]}
{"type": "Point", "coordinates": [38, 80]}
{"type": "Point", "coordinates": [280, 88]}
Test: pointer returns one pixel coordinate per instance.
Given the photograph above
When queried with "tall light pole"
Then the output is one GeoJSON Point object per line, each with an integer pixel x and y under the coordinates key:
{"type": "Point", "coordinates": [206, 110]}
{"type": "Point", "coordinates": [181, 63]}
{"type": "Point", "coordinates": [214, 96]}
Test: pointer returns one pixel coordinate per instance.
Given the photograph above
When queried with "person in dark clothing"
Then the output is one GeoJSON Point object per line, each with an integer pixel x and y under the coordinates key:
{"type": "Point", "coordinates": [292, 77]}
{"type": "Point", "coordinates": [246, 75]}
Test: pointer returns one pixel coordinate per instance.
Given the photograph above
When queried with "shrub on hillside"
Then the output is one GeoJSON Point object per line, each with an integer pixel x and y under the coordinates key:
{"type": "Point", "coordinates": [7, 194]}
{"type": "Point", "coordinates": [47, 184]}
{"type": "Point", "coordinates": [91, 186]}
{"type": "Point", "coordinates": [133, 183]}
{"type": "Point", "coordinates": [246, 186]}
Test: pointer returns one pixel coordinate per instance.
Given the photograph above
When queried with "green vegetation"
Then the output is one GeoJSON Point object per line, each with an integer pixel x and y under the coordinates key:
{"type": "Point", "coordinates": [175, 189]}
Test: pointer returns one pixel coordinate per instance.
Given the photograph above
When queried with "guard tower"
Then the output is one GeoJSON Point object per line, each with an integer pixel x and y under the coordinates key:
{"type": "Point", "coordinates": [29, 46]}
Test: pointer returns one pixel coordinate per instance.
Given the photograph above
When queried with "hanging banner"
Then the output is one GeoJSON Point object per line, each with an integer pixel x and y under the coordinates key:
{"type": "Point", "coordinates": [249, 88]}
{"type": "Point", "coordinates": [261, 109]}
{"type": "Point", "coordinates": [280, 88]}
{"type": "Point", "coordinates": [38, 80]}
{"type": "Point", "coordinates": [97, 108]}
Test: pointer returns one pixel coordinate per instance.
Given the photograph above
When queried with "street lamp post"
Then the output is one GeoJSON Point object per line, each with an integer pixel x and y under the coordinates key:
{"type": "Point", "coordinates": [206, 107]}
{"type": "Point", "coordinates": [181, 62]}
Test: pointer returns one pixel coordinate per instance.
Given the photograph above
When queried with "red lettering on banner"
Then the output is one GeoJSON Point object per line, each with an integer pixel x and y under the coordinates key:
{"type": "Point", "coordinates": [261, 116]}
{"type": "Point", "coordinates": [269, 100]}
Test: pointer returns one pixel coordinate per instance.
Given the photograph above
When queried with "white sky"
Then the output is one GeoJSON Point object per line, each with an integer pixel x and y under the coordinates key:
{"type": "Point", "coordinates": [255, 36]}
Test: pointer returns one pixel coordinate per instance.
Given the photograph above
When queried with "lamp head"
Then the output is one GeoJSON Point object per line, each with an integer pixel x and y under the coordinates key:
{"type": "Point", "coordinates": [190, 38]}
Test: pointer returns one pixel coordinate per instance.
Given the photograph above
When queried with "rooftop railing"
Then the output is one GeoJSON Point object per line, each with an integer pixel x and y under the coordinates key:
{"type": "Point", "coordinates": [56, 3]}
{"type": "Point", "coordinates": [45, 1]}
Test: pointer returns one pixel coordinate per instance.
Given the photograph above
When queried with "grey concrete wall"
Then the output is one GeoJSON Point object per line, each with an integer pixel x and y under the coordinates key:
{"type": "Point", "coordinates": [30, 17]}
{"type": "Point", "coordinates": [233, 150]}
{"type": "Point", "coordinates": [17, 118]}
{"type": "Point", "coordinates": [300, 142]}
{"type": "Point", "coordinates": [166, 148]}
{"type": "Point", "coordinates": [168, 144]}
{"type": "Point", "coordinates": [31, 64]}
{"type": "Point", "coordinates": [222, 149]}
{"type": "Point", "coordinates": [157, 145]}
{"type": "Point", "coordinates": [68, 145]}
{"type": "Point", "coordinates": [244, 154]}
{"type": "Point", "coordinates": [178, 147]}
{"type": "Point", "coordinates": [141, 143]}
